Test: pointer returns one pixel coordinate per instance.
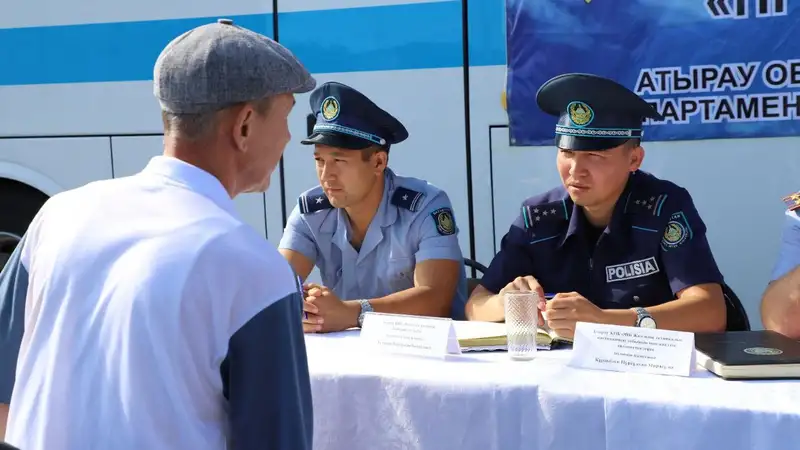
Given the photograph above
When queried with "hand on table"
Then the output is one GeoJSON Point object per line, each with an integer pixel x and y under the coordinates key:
{"type": "Point", "coordinates": [529, 284]}
{"type": "Point", "coordinates": [326, 312]}
{"type": "Point", "coordinates": [568, 308]}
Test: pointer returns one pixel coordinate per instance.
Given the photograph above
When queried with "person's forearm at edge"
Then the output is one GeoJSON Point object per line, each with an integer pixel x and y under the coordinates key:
{"type": "Point", "coordinates": [780, 305]}
{"type": "Point", "coordinates": [3, 420]}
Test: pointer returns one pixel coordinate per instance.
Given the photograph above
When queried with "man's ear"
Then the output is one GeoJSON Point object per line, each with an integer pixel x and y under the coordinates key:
{"type": "Point", "coordinates": [380, 160]}
{"type": "Point", "coordinates": [636, 158]}
{"type": "Point", "coordinates": [242, 127]}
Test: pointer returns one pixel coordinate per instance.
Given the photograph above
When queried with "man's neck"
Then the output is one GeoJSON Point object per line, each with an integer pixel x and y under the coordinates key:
{"type": "Point", "coordinates": [599, 216]}
{"type": "Point", "coordinates": [361, 214]}
{"type": "Point", "coordinates": [202, 158]}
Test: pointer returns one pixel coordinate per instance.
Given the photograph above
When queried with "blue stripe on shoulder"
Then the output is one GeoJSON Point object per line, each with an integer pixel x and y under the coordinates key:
{"type": "Point", "coordinates": [535, 241]}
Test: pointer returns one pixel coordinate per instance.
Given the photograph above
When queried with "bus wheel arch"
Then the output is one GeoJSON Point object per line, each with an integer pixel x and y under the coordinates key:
{"type": "Point", "coordinates": [19, 204]}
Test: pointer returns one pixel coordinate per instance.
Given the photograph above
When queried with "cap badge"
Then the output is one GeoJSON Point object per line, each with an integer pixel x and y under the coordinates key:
{"type": "Point", "coordinates": [580, 113]}
{"type": "Point", "coordinates": [330, 108]}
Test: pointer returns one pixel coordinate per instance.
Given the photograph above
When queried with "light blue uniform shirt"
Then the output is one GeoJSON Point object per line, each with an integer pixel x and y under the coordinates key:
{"type": "Point", "coordinates": [414, 223]}
{"type": "Point", "coordinates": [789, 255]}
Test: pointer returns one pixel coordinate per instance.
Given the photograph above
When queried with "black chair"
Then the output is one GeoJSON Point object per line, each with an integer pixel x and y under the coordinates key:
{"type": "Point", "coordinates": [475, 265]}
{"type": "Point", "coordinates": [472, 283]}
{"type": "Point", "coordinates": [737, 315]}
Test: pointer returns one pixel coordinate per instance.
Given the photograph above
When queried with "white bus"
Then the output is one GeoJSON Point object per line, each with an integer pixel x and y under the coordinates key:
{"type": "Point", "coordinates": [76, 105]}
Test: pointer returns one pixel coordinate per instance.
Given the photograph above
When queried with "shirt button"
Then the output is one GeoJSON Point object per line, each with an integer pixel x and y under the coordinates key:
{"type": "Point", "coordinates": [636, 298]}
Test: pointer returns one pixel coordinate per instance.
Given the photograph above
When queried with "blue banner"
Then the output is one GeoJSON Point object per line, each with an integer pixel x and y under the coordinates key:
{"type": "Point", "coordinates": [712, 68]}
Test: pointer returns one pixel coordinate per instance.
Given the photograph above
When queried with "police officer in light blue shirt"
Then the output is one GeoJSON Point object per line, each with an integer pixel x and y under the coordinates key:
{"type": "Point", "coordinates": [780, 305]}
{"type": "Point", "coordinates": [382, 242]}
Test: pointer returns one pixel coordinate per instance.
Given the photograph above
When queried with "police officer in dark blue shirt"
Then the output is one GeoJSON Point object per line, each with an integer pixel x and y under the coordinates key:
{"type": "Point", "coordinates": [613, 244]}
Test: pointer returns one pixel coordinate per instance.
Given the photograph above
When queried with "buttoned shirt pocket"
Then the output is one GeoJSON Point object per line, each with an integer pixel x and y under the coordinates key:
{"type": "Point", "coordinates": [400, 273]}
{"type": "Point", "coordinates": [332, 274]}
{"type": "Point", "coordinates": [650, 290]}
{"type": "Point", "coordinates": [331, 270]}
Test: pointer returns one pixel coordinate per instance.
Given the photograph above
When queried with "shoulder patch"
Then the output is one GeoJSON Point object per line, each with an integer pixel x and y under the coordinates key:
{"type": "Point", "coordinates": [648, 204]}
{"type": "Point", "coordinates": [310, 203]}
{"type": "Point", "coordinates": [445, 224]}
{"type": "Point", "coordinates": [407, 198]}
{"type": "Point", "coordinates": [792, 201]}
{"type": "Point", "coordinates": [678, 231]}
{"type": "Point", "coordinates": [553, 212]}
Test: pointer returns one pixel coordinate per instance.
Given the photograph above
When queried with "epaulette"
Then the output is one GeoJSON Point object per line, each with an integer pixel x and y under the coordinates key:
{"type": "Point", "coordinates": [407, 198]}
{"type": "Point", "coordinates": [792, 201]}
{"type": "Point", "coordinates": [310, 203]}
{"type": "Point", "coordinates": [644, 203]}
{"type": "Point", "coordinates": [553, 212]}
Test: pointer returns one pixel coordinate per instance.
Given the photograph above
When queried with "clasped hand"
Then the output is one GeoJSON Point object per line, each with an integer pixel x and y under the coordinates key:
{"type": "Point", "coordinates": [325, 311]}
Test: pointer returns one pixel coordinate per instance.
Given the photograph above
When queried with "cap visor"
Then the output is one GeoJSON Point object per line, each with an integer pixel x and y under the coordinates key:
{"type": "Point", "coordinates": [587, 144]}
{"type": "Point", "coordinates": [337, 140]}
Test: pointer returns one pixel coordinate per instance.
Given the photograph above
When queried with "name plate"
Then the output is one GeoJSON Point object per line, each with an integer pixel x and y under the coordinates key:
{"type": "Point", "coordinates": [633, 349]}
{"type": "Point", "coordinates": [411, 335]}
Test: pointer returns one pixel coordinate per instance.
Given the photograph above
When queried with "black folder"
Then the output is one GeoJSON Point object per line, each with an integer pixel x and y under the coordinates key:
{"type": "Point", "coordinates": [749, 354]}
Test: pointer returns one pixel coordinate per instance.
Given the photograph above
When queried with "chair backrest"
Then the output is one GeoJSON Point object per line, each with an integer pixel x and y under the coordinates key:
{"type": "Point", "coordinates": [475, 265]}
{"type": "Point", "coordinates": [737, 315]}
{"type": "Point", "coordinates": [472, 283]}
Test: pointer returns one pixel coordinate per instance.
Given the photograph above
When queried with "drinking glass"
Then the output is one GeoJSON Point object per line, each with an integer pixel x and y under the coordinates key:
{"type": "Point", "coordinates": [521, 323]}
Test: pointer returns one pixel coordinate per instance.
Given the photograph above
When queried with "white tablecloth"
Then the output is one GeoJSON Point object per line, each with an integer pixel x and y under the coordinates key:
{"type": "Point", "coordinates": [485, 401]}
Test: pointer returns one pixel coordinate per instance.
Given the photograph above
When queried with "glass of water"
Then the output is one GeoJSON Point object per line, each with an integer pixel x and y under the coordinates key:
{"type": "Point", "coordinates": [521, 323]}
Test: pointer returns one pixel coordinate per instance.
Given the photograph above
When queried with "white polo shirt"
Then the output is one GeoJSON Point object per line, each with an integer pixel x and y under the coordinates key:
{"type": "Point", "coordinates": [156, 319]}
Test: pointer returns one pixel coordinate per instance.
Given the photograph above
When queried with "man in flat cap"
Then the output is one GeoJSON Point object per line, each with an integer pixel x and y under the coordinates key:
{"type": "Point", "coordinates": [155, 317]}
{"type": "Point", "coordinates": [780, 304]}
{"type": "Point", "coordinates": [613, 244]}
{"type": "Point", "coordinates": [382, 242]}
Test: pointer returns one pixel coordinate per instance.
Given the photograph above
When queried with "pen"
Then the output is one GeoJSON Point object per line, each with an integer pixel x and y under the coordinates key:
{"type": "Point", "coordinates": [302, 299]}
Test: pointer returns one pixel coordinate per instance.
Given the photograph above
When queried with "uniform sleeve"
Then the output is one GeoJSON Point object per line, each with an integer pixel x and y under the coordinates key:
{"type": "Point", "coordinates": [298, 237]}
{"type": "Point", "coordinates": [789, 253]}
{"type": "Point", "coordinates": [13, 290]}
{"type": "Point", "coordinates": [437, 231]}
{"type": "Point", "coordinates": [512, 261]}
{"type": "Point", "coordinates": [685, 253]}
{"type": "Point", "coordinates": [264, 374]}
{"type": "Point", "coordinates": [266, 381]}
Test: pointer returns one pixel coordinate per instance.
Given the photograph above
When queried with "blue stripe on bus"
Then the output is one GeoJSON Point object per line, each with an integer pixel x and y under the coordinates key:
{"type": "Point", "coordinates": [487, 32]}
{"type": "Point", "coordinates": [396, 37]}
{"type": "Point", "coordinates": [123, 51]}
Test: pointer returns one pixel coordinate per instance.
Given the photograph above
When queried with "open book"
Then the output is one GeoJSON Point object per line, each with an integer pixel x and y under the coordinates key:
{"type": "Point", "coordinates": [487, 336]}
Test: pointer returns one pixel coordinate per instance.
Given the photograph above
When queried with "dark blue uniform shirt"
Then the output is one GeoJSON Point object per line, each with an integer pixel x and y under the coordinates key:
{"type": "Point", "coordinates": [654, 247]}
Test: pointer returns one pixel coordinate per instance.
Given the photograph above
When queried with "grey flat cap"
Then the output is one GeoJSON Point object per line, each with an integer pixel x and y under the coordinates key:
{"type": "Point", "coordinates": [216, 65]}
